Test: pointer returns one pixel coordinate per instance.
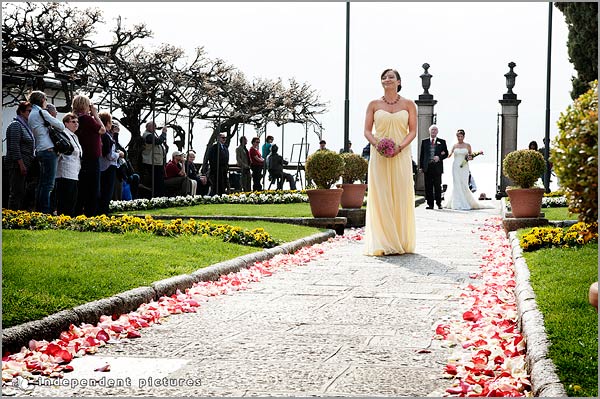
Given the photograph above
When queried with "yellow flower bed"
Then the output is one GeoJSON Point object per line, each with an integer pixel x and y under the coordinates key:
{"type": "Point", "coordinates": [547, 237]}
{"type": "Point", "coordinates": [37, 221]}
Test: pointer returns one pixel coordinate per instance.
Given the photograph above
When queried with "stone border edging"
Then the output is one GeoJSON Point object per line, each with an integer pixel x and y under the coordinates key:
{"type": "Point", "coordinates": [542, 371]}
{"type": "Point", "coordinates": [51, 326]}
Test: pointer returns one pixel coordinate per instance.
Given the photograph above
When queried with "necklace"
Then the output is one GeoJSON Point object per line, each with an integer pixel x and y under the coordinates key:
{"type": "Point", "coordinates": [391, 103]}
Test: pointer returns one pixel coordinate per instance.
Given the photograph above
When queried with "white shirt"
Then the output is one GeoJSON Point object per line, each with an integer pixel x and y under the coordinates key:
{"type": "Point", "coordinates": [69, 165]}
{"type": "Point", "coordinates": [40, 131]}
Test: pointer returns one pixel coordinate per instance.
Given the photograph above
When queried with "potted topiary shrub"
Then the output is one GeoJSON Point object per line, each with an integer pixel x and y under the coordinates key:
{"type": "Point", "coordinates": [355, 168]}
{"type": "Point", "coordinates": [524, 167]}
{"type": "Point", "coordinates": [324, 168]}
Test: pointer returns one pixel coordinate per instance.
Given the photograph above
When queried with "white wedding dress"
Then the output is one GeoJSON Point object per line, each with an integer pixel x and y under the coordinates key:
{"type": "Point", "coordinates": [461, 197]}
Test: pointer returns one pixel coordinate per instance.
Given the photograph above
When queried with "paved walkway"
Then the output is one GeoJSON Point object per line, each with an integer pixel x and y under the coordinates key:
{"type": "Point", "coordinates": [343, 325]}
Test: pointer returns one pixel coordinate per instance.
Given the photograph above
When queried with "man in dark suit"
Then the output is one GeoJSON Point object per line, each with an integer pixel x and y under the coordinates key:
{"type": "Point", "coordinates": [218, 159]}
{"type": "Point", "coordinates": [433, 153]}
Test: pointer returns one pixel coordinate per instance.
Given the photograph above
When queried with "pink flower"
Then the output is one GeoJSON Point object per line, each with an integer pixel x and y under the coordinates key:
{"type": "Point", "coordinates": [386, 147]}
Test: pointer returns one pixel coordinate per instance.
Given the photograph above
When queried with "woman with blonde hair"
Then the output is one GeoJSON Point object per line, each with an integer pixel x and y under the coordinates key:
{"type": "Point", "coordinates": [89, 132]}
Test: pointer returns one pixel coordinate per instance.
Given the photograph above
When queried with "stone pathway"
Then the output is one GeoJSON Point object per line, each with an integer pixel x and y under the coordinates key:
{"type": "Point", "coordinates": [342, 325]}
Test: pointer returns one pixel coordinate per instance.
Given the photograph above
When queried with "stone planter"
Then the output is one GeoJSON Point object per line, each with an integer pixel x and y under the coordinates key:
{"type": "Point", "coordinates": [353, 195]}
{"type": "Point", "coordinates": [324, 203]}
{"type": "Point", "coordinates": [525, 202]}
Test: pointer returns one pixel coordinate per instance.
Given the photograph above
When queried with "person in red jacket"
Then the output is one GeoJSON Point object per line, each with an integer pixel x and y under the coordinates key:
{"type": "Point", "coordinates": [256, 164]}
{"type": "Point", "coordinates": [176, 181]}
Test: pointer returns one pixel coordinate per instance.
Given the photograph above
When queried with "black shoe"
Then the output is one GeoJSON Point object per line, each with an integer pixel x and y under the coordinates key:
{"type": "Point", "coordinates": [439, 206]}
{"type": "Point", "coordinates": [429, 207]}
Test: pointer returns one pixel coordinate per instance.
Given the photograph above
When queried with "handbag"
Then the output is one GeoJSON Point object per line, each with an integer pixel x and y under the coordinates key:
{"type": "Point", "coordinates": [62, 143]}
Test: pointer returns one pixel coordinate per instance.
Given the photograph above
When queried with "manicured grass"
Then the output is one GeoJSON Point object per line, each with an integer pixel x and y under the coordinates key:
{"type": "Point", "coordinates": [561, 213]}
{"type": "Point", "coordinates": [560, 279]}
{"type": "Point", "coordinates": [266, 210]}
{"type": "Point", "coordinates": [46, 271]}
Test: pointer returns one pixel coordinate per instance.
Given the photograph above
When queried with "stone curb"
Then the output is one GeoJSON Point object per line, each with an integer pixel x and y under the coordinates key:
{"type": "Point", "coordinates": [544, 380]}
{"type": "Point", "coordinates": [51, 326]}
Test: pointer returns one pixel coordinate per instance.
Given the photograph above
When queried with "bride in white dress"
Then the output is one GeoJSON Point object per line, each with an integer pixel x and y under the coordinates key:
{"type": "Point", "coordinates": [461, 197]}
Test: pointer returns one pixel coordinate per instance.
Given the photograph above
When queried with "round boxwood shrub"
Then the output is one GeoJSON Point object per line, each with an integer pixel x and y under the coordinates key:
{"type": "Point", "coordinates": [575, 154]}
{"type": "Point", "coordinates": [324, 168]}
{"type": "Point", "coordinates": [523, 167]}
{"type": "Point", "coordinates": [355, 168]}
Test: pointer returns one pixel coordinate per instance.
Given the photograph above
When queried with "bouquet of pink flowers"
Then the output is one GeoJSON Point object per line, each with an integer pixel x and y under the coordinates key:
{"type": "Point", "coordinates": [473, 155]}
{"type": "Point", "coordinates": [386, 147]}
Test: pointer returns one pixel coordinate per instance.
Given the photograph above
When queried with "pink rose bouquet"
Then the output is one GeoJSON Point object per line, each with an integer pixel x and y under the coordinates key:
{"type": "Point", "coordinates": [473, 155]}
{"type": "Point", "coordinates": [386, 147]}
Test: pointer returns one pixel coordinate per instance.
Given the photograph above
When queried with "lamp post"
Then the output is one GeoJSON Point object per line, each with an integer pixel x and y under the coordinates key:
{"type": "Point", "coordinates": [346, 99]}
{"type": "Point", "coordinates": [547, 131]}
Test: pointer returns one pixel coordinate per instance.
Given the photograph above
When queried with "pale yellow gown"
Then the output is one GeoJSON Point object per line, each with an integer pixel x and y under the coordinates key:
{"type": "Point", "coordinates": [390, 220]}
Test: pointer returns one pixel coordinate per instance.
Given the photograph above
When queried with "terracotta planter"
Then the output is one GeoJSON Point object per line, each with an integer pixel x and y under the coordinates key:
{"type": "Point", "coordinates": [324, 203]}
{"type": "Point", "coordinates": [353, 195]}
{"type": "Point", "coordinates": [525, 202]}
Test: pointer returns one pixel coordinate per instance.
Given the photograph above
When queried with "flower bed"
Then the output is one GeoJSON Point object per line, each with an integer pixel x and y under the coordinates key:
{"type": "Point", "coordinates": [548, 237]}
{"type": "Point", "coordinates": [554, 202]}
{"type": "Point", "coordinates": [38, 221]}
{"type": "Point", "coordinates": [258, 197]}
{"type": "Point", "coordinates": [490, 360]}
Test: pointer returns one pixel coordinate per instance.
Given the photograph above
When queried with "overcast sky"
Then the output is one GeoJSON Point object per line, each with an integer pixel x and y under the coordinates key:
{"type": "Point", "coordinates": [468, 46]}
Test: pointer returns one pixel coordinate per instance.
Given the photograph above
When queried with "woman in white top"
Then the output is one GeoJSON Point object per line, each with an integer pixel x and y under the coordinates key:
{"type": "Point", "coordinates": [67, 171]}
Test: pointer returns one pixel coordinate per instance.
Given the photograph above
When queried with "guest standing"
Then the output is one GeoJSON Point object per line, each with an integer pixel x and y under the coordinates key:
{"type": "Point", "coordinates": [242, 158]}
{"type": "Point", "coordinates": [89, 134]}
{"type": "Point", "coordinates": [67, 172]}
{"type": "Point", "coordinates": [108, 165]}
{"type": "Point", "coordinates": [218, 159]}
{"type": "Point", "coordinates": [153, 158]}
{"type": "Point", "coordinates": [257, 163]}
{"type": "Point", "coordinates": [19, 155]}
{"type": "Point", "coordinates": [44, 148]}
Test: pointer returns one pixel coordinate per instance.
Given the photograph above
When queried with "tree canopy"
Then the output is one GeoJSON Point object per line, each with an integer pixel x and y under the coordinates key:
{"type": "Point", "coordinates": [50, 44]}
{"type": "Point", "coordinates": [582, 20]}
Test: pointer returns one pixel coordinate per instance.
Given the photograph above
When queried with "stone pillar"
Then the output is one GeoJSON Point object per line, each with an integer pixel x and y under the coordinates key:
{"type": "Point", "coordinates": [508, 132]}
{"type": "Point", "coordinates": [425, 114]}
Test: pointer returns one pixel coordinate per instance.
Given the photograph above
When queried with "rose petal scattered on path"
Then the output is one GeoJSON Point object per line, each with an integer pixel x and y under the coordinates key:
{"type": "Point", "coordinates": [50, 358]}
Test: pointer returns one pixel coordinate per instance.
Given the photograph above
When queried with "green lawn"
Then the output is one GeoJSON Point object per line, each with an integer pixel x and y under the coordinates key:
{"type": "Point", "coordinates": [45, 271]}
{"type": "Point", "coordinates": [561, 279]}
{"type": "Point", "coordinates": [266, 210]}
{"type": "Point", "coordinates": [559, 214]}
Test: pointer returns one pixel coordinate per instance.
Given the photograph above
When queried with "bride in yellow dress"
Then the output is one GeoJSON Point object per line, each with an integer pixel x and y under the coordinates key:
{"type": "Point", "coordinates": [390, 220]}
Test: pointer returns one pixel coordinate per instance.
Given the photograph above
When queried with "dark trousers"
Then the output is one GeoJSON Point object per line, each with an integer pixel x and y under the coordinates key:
{"type": "Point", "coordinates": [66, 196]}
{"type": "Point", "coordinates": [18, 186]}
{"type": "Point", "coordinates": [246, 180]}
{"type": "Point", "coordinates": [48, 161]}
{"type": "Point", "coordinates": [218, 182]}
{"type": "Point", "coordinates": [433, 187]}
{"type": "Point", "coordinates": [257, 177]}
{"type": "Point", "coordinates": [159, 178]}
{"type": "Point", "coordinates": [107, 187]}
{"type": "Point", "coordinates": [89, 187]}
